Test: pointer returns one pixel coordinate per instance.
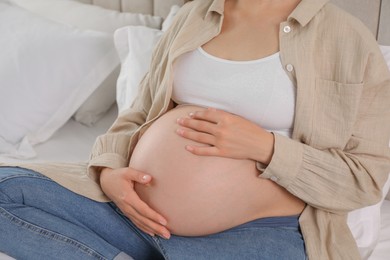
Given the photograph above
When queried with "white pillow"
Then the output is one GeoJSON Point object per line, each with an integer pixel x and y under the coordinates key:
{"type": "Point", "coordinates": [135, 45]}
{"type": "Point", "coordinates": [87, 17]}
{"type": "Point", "coordinates": [169, 19]}
{"type": "Point", "coordinates": [91, 17]}
{"type": "Point", "coordinates": [47, 70]}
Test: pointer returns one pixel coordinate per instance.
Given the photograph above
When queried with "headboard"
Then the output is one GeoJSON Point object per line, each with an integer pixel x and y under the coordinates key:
{"type": "Point", "coordinates": [374, 13]}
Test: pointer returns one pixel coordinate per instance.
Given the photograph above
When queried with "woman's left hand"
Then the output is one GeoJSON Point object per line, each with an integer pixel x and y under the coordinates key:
{"type": "Point", "coordinates": [226, 135]}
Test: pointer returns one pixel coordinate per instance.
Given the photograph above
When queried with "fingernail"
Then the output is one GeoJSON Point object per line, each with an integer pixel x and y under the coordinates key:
{"type": "Point", "coordinates": [189, 148]}
{"type": "Point", "coordinates": [145, 177]}
{"type": "Point", "coordinates": [166, 235]}
{"type": "Point", "coordinates": [162, 222]}
{"type": "Point", "coordinates": [179, 131]}
{"type": "Point", "coordinates": [191, 114]}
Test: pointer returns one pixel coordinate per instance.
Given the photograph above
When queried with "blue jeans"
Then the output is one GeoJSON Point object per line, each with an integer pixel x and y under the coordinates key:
{"type": "Point", "coordinates": [40, 219]}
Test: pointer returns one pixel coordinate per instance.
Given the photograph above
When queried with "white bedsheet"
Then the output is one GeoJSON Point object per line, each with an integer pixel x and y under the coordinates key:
{"type": "Point", "coordinates": [72, 142]}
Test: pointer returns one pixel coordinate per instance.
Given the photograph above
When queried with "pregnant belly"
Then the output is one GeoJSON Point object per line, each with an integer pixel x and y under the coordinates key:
{"type": "Point", "coordinates": [200, 195]}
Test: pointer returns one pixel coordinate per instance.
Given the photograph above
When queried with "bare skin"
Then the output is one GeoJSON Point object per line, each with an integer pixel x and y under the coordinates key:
{"type": "Point", "coordinates": [250, 31]}
{"type": "Point", "coordinates": [201, 195]}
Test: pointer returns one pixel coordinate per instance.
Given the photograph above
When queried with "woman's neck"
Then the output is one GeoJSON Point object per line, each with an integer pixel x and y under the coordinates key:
{"type": "Point", "coordinates": [255, 7]}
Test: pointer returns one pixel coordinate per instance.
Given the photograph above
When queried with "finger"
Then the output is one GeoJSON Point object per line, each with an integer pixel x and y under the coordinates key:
{"type": "Point", "coordinates": [211, 114]}
{"type": "Point", "coordinates": [137, 176]}
{"type": "Point", "coordinates": [144, 210]}
{"type": "Point", "coordinates": [197, 124]}
{"type": "Point", "coordinates": [204, 150]}
{"type": "Point", "coordinates": [148, 225]}
{"type": "Point", "coordinates": [199, 137]}
{"type": "Point", "coordinates": [162, 233]}
{"type": "Point", "coordinates": [154, 228]}
{"type": "Point", "coordinates": [144, 228]}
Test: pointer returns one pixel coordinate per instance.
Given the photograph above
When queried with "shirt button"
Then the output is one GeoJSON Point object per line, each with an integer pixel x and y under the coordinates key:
{"type": "Point", "coordinates": [286, 29]}
{"type": "Point", "coordinates": [274, 178]}
{"type": "Point", "coordinates": [289, 67]}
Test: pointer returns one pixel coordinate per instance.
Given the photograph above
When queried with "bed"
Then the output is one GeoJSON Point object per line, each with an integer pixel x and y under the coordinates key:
{"type": "Point", "coordinates": [67, 132]}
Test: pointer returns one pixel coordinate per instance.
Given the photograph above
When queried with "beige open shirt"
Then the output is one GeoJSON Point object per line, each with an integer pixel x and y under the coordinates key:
{"type": "Point", "coordinates": [338, 157]}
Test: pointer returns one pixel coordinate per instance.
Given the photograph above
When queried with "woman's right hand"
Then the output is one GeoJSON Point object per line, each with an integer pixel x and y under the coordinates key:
{"type": "Point", "coordinates": [118, 185]}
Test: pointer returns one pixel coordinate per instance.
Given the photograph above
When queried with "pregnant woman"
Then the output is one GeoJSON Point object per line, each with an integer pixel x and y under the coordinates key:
{"type": "Point", "coordinates": [259, 126]}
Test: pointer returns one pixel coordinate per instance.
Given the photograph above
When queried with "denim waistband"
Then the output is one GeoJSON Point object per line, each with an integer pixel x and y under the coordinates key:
{"type": "Point", "coordinates": [284, 221]}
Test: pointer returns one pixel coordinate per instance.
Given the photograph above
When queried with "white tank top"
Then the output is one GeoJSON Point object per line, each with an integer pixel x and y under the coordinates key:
{"type": "Point", "coordinates": [258, 90]}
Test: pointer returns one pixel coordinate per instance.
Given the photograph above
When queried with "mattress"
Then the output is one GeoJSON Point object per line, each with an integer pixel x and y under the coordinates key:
{"type": "Point", "coordinates": [71, 143]}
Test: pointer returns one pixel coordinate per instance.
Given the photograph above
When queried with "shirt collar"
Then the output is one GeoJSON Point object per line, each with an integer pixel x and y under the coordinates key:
{"type": "Point", "coordinates": [306, 10]}
{"type": "Point", "coordinates": [303, 13]}
{"type": "Point", "coordinates": [217, 6]}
